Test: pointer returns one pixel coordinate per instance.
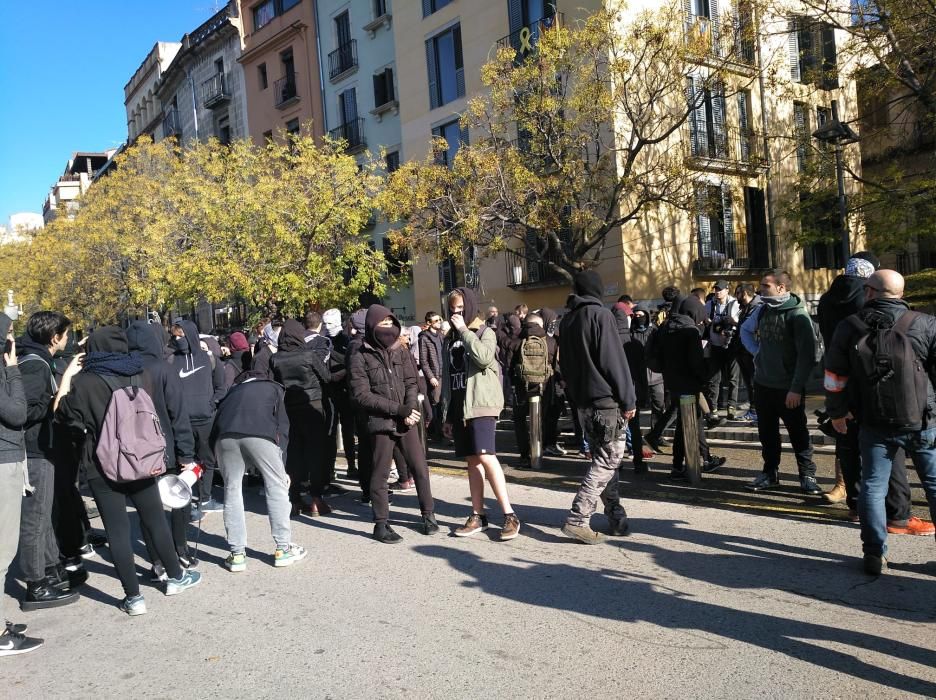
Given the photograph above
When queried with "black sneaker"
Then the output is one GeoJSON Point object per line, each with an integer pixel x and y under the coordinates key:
{"type": "Point", "coordinates": [96, 540]}
{"type": "Point", "coordinates": [87, 551]}
{"type": "Point", "coordinates": [12, 643]}
{"type": "Point", "coordinates": [158, 573]}
{"type": "Point", "coordinates": [875, 564]}
{"type": "Point", "coordinates": [809, 486]}
{"type": "Point", "coordinates": [678, 475]}
{"type": "Point", "coordinates": [334, 490]}
{"type": "Point", "coordinates": [386, 534]}
{"type": "Point", "coordinates": [764, 481]}
{"type": "Point", "coordinates": [430, 526]}
{"type": "Point", "coordinates": [619, 527]}
{"type": "Point", "coordinates": [713, 463]}
{"type": "Point", "coordinates": [713, 420]}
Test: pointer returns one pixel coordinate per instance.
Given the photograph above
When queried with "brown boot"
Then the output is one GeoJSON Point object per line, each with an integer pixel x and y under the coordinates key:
{"type": "Point", "coordinates": [837, 493]}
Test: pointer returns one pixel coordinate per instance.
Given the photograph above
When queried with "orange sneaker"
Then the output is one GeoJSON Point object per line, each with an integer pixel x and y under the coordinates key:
{"type": "Point", "coordinates": [914, 526]}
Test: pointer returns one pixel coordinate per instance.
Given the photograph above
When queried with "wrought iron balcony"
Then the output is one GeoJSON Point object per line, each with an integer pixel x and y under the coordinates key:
{"type": "Point", "coordinates": [722, 148]}
{"type": "Point", "coordinates": [214, 91]}
{"type": "Point", "coordinates": [284, 91]}
{"type": "Point", "coordinates": [342, 59]}
{"type": "Point", "coordinates": [171, 125]}
{"type": "Point", "coordinates": [352, 133]}
{"type": "Point", "coordinates": [523, 272]}
{"type": "Point", "coordinates": [524, 40]}
{"type": "Point", "coordinates": [732, 43]}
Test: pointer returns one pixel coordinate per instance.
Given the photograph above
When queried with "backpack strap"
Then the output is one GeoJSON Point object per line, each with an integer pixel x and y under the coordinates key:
{"type": "Point", "coordinates": [905, 321]}
{"type": "Point", "coordinates": [33, 357]}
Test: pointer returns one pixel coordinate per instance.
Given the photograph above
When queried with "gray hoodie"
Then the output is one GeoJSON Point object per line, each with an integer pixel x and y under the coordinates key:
{"type": "Point", "coordinates": [12, 411]}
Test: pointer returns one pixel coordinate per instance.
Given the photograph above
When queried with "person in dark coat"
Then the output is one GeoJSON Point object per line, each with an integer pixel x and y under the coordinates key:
{"type": "Point", "coordinates": [338, 388]}
{"type": "Point", "coordinates": [311, 452]}
{"type": "Point", "coordinates": [169, 402]}
{"type": "Point", "coordinates": [384, 386]}
{"type": "Point", "coordinates": [430, 360]}
{"type": "Point", "coordinates": [238, 360]}
{"type": "Point", "coordinates": [634, 329]}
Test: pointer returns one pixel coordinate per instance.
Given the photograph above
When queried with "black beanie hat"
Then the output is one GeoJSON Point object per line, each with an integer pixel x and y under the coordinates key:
{"type": "Point", "coordinates": [588, 284]}
{"type": "Point", "coordinates": [869, 256]}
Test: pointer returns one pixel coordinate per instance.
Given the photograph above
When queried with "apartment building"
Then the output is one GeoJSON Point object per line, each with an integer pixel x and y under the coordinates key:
{"type": "Point", "coordinates": [281, 67]}
{"type": "Point", "coordinates": [441, 46]}
{"type": "Point", "coordinates": [144, 110]}
{"type": "Point", "coordinates": [74, 181]}
{"type": "Point", "coordinates": [360, 103]}
{"type": "Point", "coordinates": [202, 91]}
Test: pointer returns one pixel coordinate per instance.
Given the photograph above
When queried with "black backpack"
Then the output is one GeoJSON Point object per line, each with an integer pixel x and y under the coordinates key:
{"type": "Point", "coordinates": [892, 382]}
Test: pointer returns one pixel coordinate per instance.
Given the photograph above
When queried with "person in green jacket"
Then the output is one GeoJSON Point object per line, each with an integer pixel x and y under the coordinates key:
{"type": "Point", "coordinates": [785, 346]}
{"type": "Point", "coordinates": [476, 400]}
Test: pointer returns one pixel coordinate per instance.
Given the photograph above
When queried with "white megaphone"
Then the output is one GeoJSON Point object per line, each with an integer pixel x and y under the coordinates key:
{"type": "Point", "coordinates": [176, 491]}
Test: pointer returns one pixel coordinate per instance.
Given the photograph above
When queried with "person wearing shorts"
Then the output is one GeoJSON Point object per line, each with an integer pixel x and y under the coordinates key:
{"type": "Point", "coordinates": [476, 400]}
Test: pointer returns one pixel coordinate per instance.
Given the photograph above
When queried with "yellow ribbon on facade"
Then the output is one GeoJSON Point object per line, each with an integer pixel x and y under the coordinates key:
{"type": "Point", "coordinates": [525, 40]}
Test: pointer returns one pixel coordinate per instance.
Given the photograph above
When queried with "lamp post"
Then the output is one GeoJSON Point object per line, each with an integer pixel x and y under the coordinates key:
{"type": "Point", "coordinates": [11, 309]}
{"type": "Point", "coordinates": [839, 135]}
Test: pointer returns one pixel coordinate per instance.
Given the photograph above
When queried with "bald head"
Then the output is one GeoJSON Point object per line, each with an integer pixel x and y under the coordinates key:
{"type": "Point", "coordinates": [887, 284]}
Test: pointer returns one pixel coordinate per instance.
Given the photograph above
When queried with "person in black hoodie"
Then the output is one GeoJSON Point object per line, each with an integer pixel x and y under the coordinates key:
{"type": "Point", "coordinates": [846, 296]}
{"type": "Point", "coordinates": [238, 360]}
{"type": "Point", "coordinates": [251, 428]}
{"type": "Point", "coordinates": [634, 330]}
{"type": "Point", "coordinates": [202, 387]}
{"type": "Point", "coordinates": [81, 405]}
{"type": "Point", "coordinates": [311, 452]}
{"type": "Point", "coordinates": [338, 388]}
{"type": "Point", "coordinates": [599, 384]}
{"type": "Point", "coordinates": [383, 385]}
{"type": "Point", "coordinates": [39, 556]}
{"type": "Point", "coordinates": [365, 450]}
{"type": "Point", "coordinates": [145, 340]}
{"type": "Point", "coordinates": [677, 344]}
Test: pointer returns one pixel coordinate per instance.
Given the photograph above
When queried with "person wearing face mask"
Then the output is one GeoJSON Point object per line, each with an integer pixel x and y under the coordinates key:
{"type": "Point", "coordinates": [266, 348]}
{"type": "Point", "coordinates": [647, 384]}
{"type": "Point", "coordinates": [384, 386]}
{"type": "Point", "coordinates": [780, 336]}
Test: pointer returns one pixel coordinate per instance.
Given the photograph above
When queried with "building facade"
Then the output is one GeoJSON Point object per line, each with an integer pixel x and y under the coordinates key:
{"type": "Point", "coordinates": [360, 103]}
{"type": "Point", "coordinates": [21, 223]}
{"type": "Point", "coordinates": [281, 67]}
{"type": "Point", "coordinates": [79, 173]}
{"type": "Point", "coordinates": [144, 110]}
{"type": "Point", "coordinates": [737, 143]}
{"type": "Point", "coordinates": [202, 90]}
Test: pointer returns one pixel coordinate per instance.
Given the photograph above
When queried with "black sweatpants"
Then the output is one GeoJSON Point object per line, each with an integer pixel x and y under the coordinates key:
{"type": "Point", "coordinates": [346, 417]}
{"type": "Point", "coordinates": [419, 471]}
{"type": "Point", "coordinates": [69, 517]}
{"type": "Point", "coordinates": [205, 457]}
{"type": "Point", "coordinates": [111, 500]}
{"type": "Point", "coordinates": [310, 454]}
{"type": "Point", "coordinates": [771, 410]}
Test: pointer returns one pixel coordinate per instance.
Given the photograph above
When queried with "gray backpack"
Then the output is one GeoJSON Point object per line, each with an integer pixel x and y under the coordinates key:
{"type": "Point", "coordinates": [131, 445]}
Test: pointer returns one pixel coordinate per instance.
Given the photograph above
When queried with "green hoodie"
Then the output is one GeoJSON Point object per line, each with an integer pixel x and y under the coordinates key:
{"type": "Point", "coordinates": [787, 347]}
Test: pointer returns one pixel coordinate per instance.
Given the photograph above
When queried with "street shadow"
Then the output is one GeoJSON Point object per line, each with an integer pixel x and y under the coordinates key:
{"type": "Point", "coordinates": [617, 595]}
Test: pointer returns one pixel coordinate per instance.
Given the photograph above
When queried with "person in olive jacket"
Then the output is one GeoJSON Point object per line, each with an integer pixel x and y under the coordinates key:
{"type": "Point", "coordinates": [384, 386]}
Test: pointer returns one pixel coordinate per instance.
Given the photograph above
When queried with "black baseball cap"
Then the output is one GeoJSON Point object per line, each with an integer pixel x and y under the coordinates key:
{"type": "Point", "coordinates": [721, 284]}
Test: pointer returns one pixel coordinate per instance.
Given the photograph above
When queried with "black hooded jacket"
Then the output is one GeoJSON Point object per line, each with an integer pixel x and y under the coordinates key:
{"type": "Point", "coordinates": [165, 388]}
{"type": "Point", "coordinates": [254, 407]}
{"type": "Point", "coordinates": [844, 298]}
{"type": "Point", "coordinates": [634, 340]}
{"type": "Point", "coordinates": [39, 385]}
{"type": "Point", "coordinates": [12, 406]}
{"type": "Point", "coordinates": [202, 377]}
{"type": "Point", "coordinates": [382, 381]}
{"type": "Point", "coordinates": [299, 368]}
{"type": "Point", "coordinates": [678, 345]}
{"type": "Point", "coordinates": [594, 366]}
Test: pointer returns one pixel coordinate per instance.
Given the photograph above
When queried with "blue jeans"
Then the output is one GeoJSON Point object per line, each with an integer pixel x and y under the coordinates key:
{"type": "Point", "coordinates": [877, 457]}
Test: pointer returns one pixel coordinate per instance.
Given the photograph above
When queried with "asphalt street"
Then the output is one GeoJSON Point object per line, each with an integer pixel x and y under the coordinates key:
{"type": "Point", "coordinates": [698, 601]}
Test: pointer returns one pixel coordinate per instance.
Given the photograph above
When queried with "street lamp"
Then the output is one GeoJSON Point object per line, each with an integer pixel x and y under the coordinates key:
{"type": "Point", "coordinates": [11, 309]}
{"type": "Point", "coordinates": [839, 135]}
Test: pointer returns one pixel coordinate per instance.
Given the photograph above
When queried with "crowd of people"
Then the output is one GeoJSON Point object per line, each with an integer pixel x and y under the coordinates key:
{"type": "Point", "coordinates": [139, 405]}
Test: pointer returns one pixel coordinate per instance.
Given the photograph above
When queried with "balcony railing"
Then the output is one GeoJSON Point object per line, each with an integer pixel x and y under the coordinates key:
{"type": "Point", "coordinates": [732, 43]}
{"type": "Point", "coordinates": [171, 125]}
{"type": "Point", "coordinates": [284, 91]}
{"type": "Point", "coordinates": [342, 59]}
{"type": "Point", "coordinates": [524, 40]}
{"type": "Point", "coordinates": [717, 147]}
{"type": "Point", "coordinates": [352, 132]}
{"type": "Point", "coordinates": [214, 91]}
{"type": "Point", "coordinates": [907, 263]}
{"type": "Point", "coordinates": [523, 272]}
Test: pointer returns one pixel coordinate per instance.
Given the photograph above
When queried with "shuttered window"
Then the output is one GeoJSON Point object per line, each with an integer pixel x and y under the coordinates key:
{"type": "Point", "coordinates": [444, 67]}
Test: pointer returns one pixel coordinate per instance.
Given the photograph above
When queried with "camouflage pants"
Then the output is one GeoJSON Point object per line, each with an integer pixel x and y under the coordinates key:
{"type": "Point", "coordinates": [604, 430]}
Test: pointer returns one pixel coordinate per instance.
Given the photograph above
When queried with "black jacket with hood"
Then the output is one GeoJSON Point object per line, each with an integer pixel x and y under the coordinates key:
{"type": "Point", "coordinates": [39, 385]}
{"type": "Point", "coordinates": [254, 407]}
{"type": "Point", "coordinates": [635, 341]}
{"type": "Point", "coordinates": [165, 388]}
{"type": "Point", "coordinates": [299, 368]}
{"type": "Point", "coordinates": [594, 366]}
{"type": "Point", "coordinates": [678, 346]}
{"type": "Point", "coordinates": [202, 377]}
{"type": "Point", "coordinates": [12, 406]}
{"type": "Point", "coordinates": [844, 298]}
{"type": "Point", "coordinates": [383, 381]}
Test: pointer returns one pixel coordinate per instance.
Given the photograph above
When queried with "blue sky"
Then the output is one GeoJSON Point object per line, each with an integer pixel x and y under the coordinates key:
{"type": "Point", "coordinates": [64, 66]}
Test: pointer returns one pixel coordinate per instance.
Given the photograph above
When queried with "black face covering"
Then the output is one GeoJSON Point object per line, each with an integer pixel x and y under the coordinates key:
{"type": "Point", "coordinates": [181, 343]}
{"type": "Point", "coordinates": [386, 336]}
{"type": "Point", "coordinates": [639, 321]}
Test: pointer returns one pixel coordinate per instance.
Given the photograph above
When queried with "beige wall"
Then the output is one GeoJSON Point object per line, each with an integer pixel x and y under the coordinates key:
{"type": "Point", "coordinates": [294, 29]}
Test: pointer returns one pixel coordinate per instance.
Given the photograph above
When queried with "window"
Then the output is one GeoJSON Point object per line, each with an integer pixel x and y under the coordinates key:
{"type": "Point", "coordinates": [219, 66]}
{"type": "Point", "coordinates": [267, 136]}
{"type": "Point", "coordinates": [801, 134]}
{"type": "Point", "coordinates": [344, 57]}
{"type": "Point", "coordinates": [262, 75]}
{"type": "Point", "coordinates": [445, 69]}
{"type": "Point", "coordinates": [383, 87]}
{"type": "Point", "coordinates": [707, 121]}
{"type": "Point", "coordinates": [397, 260]}
{"type": "Point", "coordinates": [454, 136]}
{"type": "Point", "coordinates": [265, 12]}
{"type": "Point", "coordinates": [292, 127]}
{"type": "Point", "coordinates": [392, 160]}
{"type": "Point", "coordinates": [223, 130]}
{"type": "Point", "coordinates": [430, 6]}
{"type": "Point", "coordinates": [347, 106]}
{"type": "Point", "coordinates": [380, 8]}
{"type": "Point", "coordinates": [718, 247]}
{"type": "Point", "coordinates": [812, 52]}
